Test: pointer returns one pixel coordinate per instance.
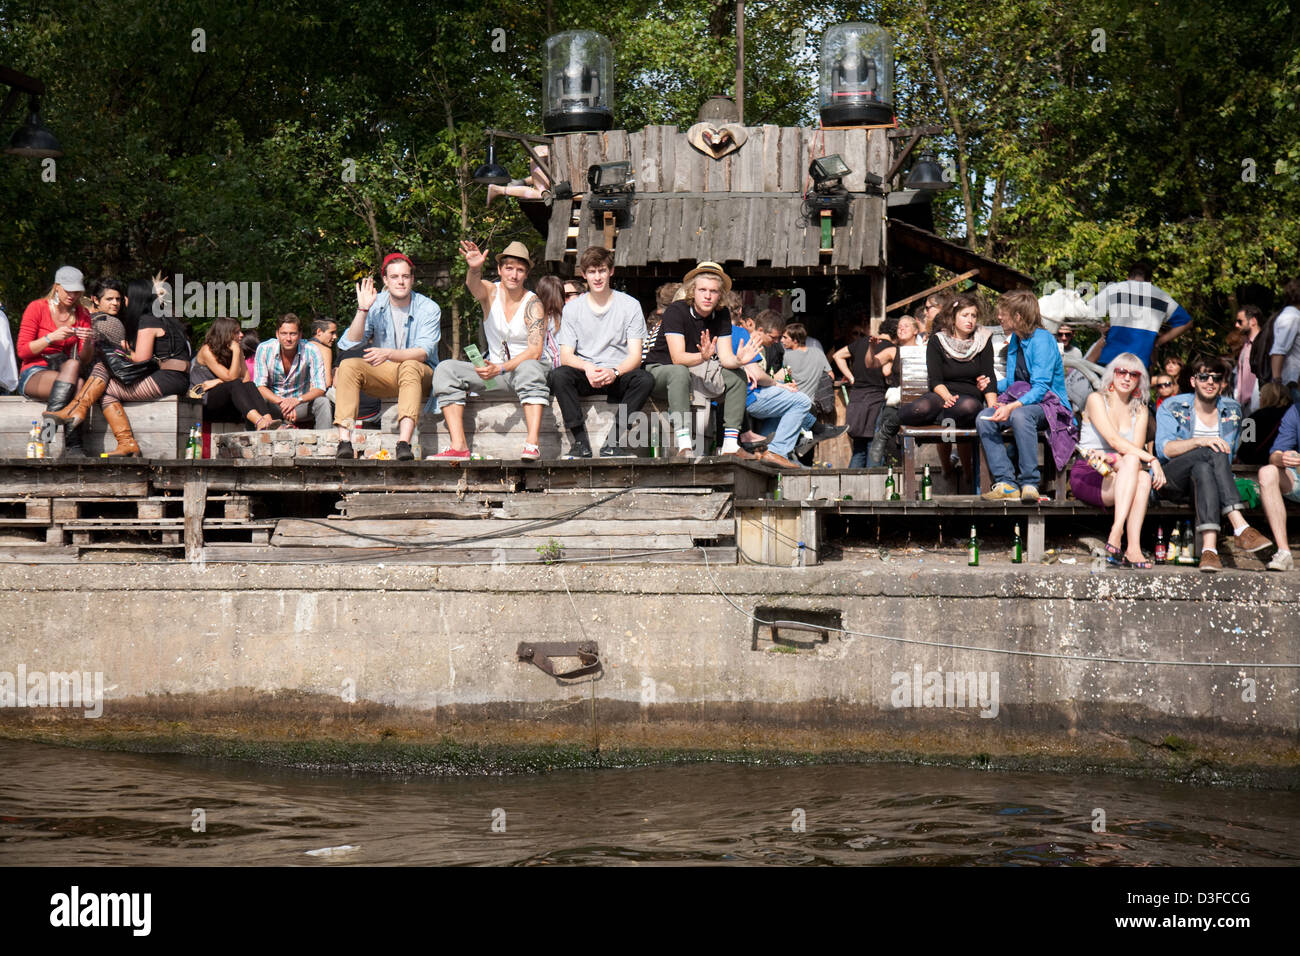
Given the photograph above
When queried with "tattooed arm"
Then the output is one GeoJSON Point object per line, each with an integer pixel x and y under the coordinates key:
{"type": "Point", "coordinates": [535, 323]}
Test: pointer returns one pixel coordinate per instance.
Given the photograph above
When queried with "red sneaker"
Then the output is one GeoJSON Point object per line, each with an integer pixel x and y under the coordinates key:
{"type": "Point", "coordinates": [450, 454]}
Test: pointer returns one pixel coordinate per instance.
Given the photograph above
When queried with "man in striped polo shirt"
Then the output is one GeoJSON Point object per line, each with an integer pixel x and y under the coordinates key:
{"type": "Point", "coordinates": [1138, 311]}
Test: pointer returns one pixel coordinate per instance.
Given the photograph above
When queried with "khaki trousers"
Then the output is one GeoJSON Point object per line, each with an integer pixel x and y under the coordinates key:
{"type": "Point", "coordinates": [409, 382]}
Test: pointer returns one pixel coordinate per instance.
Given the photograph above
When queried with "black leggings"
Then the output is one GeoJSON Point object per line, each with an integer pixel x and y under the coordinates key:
{"type": "Point", "coordinates": [232, 401]}
{"type": "Point", "coordinates": [929, 410]}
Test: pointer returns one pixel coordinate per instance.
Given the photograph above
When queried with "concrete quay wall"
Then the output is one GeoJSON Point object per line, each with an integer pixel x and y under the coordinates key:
{"type": "Point", "coordinates": [355, 653]}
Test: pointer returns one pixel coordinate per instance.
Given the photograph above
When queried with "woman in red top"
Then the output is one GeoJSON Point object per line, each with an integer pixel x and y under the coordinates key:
{"type": "Point", "coordinates": [53, 330]}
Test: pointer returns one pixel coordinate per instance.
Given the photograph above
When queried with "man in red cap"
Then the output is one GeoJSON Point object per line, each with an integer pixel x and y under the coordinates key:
{"type": "Point", "coordinates": [401, 329]}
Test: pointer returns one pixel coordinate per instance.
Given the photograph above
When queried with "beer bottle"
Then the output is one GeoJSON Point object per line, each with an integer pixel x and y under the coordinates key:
{"type": "Point", "coordinates": [889, 485]}
{"type": "Point", "coordinates": [1017, 549]}
{"type": "Point", "coordinates": [1188, 554]}
{"type": "Point", "coordinates": [776, 495]}
{"type": "Point", "coordinates": [1175, 546]}
{"type": "Point", "coordinates": [974, 547]}
{"type": "Point", "coordinates": [1160, 545]}
{"type": "Point", "coordinates": [927, 488]}
{"type": "Point", "coordinates": [35, 447]}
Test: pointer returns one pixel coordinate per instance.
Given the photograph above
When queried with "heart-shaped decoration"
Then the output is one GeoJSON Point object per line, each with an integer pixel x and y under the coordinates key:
{"type": "Point", "coordinates": [717, 141]}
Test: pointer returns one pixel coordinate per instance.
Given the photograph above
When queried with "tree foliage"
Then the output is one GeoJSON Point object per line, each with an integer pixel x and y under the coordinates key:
{"type": "Point", "coordinates": [306, 139]}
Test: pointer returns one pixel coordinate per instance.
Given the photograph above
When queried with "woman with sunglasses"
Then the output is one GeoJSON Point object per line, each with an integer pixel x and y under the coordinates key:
{"type": "Point", "coordinates": [1114, 428]}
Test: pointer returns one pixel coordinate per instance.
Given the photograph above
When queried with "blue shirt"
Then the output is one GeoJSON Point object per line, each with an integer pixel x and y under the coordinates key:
{"type": "Point", "coordinates": [306, 371]}
{"type": "Point", "coordinates": [739, 339]}
{"type": "Point", "coordinates": [421, 329]}
{"type": "Point", "coordinates": [1137, 310]}
{"type": "Point", "coordinates": [1174, 421]}
{"type": "Point", "coordinates": [1046, 370]}
{"type": "Point", "coordinates": [1288, 432]}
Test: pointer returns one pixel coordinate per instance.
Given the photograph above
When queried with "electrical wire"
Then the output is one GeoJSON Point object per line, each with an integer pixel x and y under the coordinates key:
{"type": "Point", "coordinates": [989, 650]}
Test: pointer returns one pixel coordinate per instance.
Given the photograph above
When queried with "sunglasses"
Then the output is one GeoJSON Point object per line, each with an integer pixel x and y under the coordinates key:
{"type": "Point", "coordinates": [1127, 373]}
{"type": "Point", "coordinates": [1208, 376]}
{"type": "Point", "coordinates": [1065, 335]}
{"type": "Point", "coordinates": [1164, 384]}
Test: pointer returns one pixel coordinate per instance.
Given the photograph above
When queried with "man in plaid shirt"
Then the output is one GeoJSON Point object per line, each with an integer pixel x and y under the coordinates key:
{"type": "Point", "coordinates": [291, 377]}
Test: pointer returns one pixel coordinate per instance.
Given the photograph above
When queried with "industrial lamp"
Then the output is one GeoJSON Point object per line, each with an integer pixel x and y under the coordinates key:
{"type": "Point", "coordinates": [33, 138]}
{"type": "Point", "coordinates": [490, 174]}
{"type": "Point", "coordinates": [927, 174]}
{"type": "Point", "coordinates": [612, 186]}
{"type": "Point", "coordinates": [828, 193]}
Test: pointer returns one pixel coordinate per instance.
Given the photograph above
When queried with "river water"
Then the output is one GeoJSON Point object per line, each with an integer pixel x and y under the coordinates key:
{"type": "Point", "coordinates": [62, 806]}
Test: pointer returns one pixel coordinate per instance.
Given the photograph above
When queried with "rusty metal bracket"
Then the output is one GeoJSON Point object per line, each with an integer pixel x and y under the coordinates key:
{"type": "Point", "coordinates": [540, 655]}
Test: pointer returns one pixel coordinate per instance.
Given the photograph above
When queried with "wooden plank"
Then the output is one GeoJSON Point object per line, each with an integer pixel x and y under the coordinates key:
{"type": "Point", "coordinates": [419, 505]}
{"type": "Point", "coordinates": [666, 154]}
{"type": "Point", "coordinates": [36, 554]}
{"type": "Point", "coordinates": [791, 150]}
{"type": "Point", "coordinates": [684, 157]}
{"type": "Point", "coordinates": [646, 175]}
{"type": "Point", "coordinates": [252, 554]}
{"type": "Point", "coordinates": [632, 242]}
{"type": "Point", "coordinates": [806, 247]}
{"type": "Point", "coordinates": [660, 213]}
{"type": "Point", "coordinates": [616, 146]}
{"type": "Point", "coordinates": [61, 484]}
{"type": "Point", "coordinates": [643, 504]}
{"type": "Point", "coordinates": [404, 530]}
{"type": "Point", "coordinates": [747, 173]}
{"type": "Point", "coordinates": [771, 158]}
{"type": "Point", "coordinates": [873, 248]}
{"type": "Point", "coordinates": [557, 232]}
{"type": "Point", "coordinates": [754, 229]}
{"type": "Point", "coordinates": [854, 151]}
{"type": "Point", "coordinates": [485, 534]}
{"type": "Point", "coordinates": [196, 502]}
{"type": "Point", "coordinates": [666, 246]}
{"type": "Point", "coordinates": [716, 173]}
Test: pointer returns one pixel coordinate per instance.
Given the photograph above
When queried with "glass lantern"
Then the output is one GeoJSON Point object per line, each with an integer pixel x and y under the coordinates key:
{"type": "Point", "coordinates": [579, 92]}
{"type": "Point", "coordinates": [857, 75]}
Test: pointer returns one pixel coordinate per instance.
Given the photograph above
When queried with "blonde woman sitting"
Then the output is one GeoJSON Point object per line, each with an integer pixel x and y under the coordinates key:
{"type": "Point", "coordinates": [1114, 428]}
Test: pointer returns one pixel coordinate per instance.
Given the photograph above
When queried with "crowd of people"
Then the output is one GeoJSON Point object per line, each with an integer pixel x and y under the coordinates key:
{"type": "Point", "coordinates": [771, 382]}
{"type": "Point", "coordinates": [1170, 437]}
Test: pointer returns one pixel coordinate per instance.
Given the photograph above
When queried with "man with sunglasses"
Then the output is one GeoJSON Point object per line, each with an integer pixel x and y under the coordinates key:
{"type": "Point", "coordinates": [1196, 439]}
{"type": "Point", "coordinates": [1165, 387]}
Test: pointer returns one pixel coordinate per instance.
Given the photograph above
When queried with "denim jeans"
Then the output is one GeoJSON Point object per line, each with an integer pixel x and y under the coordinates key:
{"type": "Point", "coordinates": [1026, 422]}
{"type": "Point", "coordinates": [1205, 475]}
{"type": "Point", "coordinates": [792, 408]}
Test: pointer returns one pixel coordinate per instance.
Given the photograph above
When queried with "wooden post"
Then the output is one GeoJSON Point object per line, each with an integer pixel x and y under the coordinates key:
{"type": "Point", "coordinates": [609, 231]}
{"type": "Point", "coordinates": [195, 504]}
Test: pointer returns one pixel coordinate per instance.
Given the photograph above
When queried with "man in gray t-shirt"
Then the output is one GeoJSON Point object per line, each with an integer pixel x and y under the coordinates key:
{"type": "Point", "coordinates": [600, 352]}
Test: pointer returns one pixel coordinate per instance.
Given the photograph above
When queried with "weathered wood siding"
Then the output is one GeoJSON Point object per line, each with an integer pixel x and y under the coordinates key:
{"type": "Point", "coordinates": [745, 208]}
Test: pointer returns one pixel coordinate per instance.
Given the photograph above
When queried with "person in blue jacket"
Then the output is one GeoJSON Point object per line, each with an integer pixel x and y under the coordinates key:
{"type": "Point", "coordinates": [1032, 356]}
{"type": "Point", "coordinates": [1196, 438]}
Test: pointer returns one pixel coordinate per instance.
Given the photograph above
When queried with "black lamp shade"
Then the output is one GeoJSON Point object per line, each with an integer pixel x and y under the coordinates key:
{"type": "Point", "coordinates": [34, 140]}
{"type": "Point", "coordinates": [490, 173]}
{"type": "Point", "coordinates": [927, 174]}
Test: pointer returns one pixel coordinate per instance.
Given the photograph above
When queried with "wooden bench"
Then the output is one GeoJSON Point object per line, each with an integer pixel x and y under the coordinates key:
{"type": "Point", "coordinates": [161, 427]}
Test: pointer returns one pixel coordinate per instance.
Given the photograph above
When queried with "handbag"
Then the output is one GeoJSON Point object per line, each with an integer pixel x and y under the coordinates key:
{"type": "Point", "coordinates": [126, 371]}
{"type": "Point", "coordinates": [707, 378]}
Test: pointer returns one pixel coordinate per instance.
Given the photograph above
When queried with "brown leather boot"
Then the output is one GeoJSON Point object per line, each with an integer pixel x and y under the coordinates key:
{"type": "Point", "coordinates": [115, 415]}
{"type": "Point", "coordinates": [75, 413]}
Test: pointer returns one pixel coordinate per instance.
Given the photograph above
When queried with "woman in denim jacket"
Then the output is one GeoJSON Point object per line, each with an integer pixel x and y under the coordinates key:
{"type": "Point", "coordinates": [1196, 438]}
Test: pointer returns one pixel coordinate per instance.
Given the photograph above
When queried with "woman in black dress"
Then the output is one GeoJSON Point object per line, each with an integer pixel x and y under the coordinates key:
{"type": "Point", "coordinates": [874, 370]}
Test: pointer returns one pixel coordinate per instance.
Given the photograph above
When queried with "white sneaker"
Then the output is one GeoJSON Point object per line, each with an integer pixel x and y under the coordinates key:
{"type": "Point", "coordinates": [1282, 561]}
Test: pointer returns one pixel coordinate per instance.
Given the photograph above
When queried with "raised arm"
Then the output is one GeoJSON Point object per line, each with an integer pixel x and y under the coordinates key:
{"type": "Point", "coordinates": [842, 357]}
{"type": "Point", "coordinates": [478, 288]}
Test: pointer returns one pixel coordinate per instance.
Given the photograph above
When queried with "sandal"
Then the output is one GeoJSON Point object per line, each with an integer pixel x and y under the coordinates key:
{"type": "Point", "coordinates": [1144, 565]}
{"type": "Point", "coordinates": [264, 423]}
{"type": "Point", "coordinates": [1115, 558]}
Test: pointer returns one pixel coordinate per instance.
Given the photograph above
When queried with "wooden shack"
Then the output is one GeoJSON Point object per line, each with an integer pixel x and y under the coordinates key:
{"type": "Point", "coordinates": [745, 210]}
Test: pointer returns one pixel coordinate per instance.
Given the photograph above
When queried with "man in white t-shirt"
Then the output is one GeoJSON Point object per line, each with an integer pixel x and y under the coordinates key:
{"type": "Point", "coordinates": [1284, 356]}
{"type": "Point", "coordinates": [514, 325]}
{"type": "Point", "coordinates": [600, 353]}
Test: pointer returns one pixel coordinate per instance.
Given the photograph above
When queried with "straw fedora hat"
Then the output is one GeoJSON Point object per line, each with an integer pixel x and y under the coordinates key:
{"type": "Point", "coordinates": [516, 250]}
{"type": "Point", "coordinates": [710, 269]}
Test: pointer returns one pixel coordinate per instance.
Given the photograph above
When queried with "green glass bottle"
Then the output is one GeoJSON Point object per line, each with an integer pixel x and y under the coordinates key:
{"type": "Point", "coordinates": [974, 547]}
{"type": "Point", "coordinates": [889, 485]}
{"type": "Point", "coordinates": [927, 487]}
{"type": "Point", "coordinates": [1017, 549]}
